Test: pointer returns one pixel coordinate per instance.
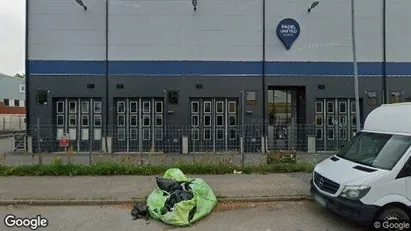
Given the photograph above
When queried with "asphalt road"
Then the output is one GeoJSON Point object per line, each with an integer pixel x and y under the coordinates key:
{"type": "Point", "coordinates": [281, 216]}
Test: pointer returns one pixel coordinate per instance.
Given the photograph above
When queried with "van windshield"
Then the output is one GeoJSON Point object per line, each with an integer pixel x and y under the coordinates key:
{"type": "Point", "coordinates": [376, 150]}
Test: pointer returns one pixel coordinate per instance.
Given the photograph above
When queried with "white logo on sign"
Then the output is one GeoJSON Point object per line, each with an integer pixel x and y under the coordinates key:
{"type": "Point", "coordinates": [22, 88]}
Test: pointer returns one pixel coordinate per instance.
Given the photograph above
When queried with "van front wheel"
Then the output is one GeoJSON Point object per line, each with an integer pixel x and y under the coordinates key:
{"type": "Point", "coordinates": [392, 218]}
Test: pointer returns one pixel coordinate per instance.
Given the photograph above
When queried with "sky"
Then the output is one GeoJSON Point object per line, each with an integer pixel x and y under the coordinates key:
{"type": "Point", "coordinates": [12, 36]}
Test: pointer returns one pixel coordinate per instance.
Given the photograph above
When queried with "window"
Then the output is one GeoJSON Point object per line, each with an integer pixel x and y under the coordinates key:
{"type": "Point", "coordinates": [319, 121]}
{"type": "Point", "coordinates": [146, 134]}
{"type": "Point", "coordinates": [17, 103]}
{"type": "Point", "coordinates": [396, 97]}
{"type": "Point", "coordinates": [133, 107]}
{"type": "Point", "coordinates": [220, 134]}
{"type": "Point", "coordinates": [173, 97]}
{"type": "Point", "coordinates": [121, 120]}
{"type": "Point", "coordinates": [195, 121]}
{"type": "Point", "coordinates": [97, 121]}
{"type": "Point", "coordinates": [146, 121]}
{"type": "Point", "coordinates": [84, 121]}
{"type": "Point", "coordinates": [159, 107]}
{"type": "Point", "coordinates": [195, 107]}
{"type": "Point", "coordinates": [98, 107]}
{"type": "Point", "coordinates": [232, 120]}
{"type": "Point", "coordinates": [342, 107]}
{"type": "Point", "coordinates": [146, 107]}
{"type": "Point", "coordinates": [121, 134]}
{"type": "Point", "coordinates": [319, 107]}
{"type": "Point", "coordinates": [343, 134]}
{"type": "Point", "coordinates": [84, 107]}
{"type": "Point", "coordinates": [72, 120]}
{"type": "Point", "coordinates": [353, 107]}
{"type": "Point", "coordinates": [133, 134]}
{"type": "Point", "coordinates": [376, 150]}
{"type": "Point", "coordinates": [330, 120]}
{"type": "Point", "coordinates": [330, 133]}
{"type": "Point", "coordinates": [232, 107]}
{"type": "Point", "coordinates": [121, 107]}
{"type": "Point", "coordinates": [6, 102]}
{"type": "Point", "coordinates": [207, 107]}
{"type": "Point", "coordinates": [73, 107]}
{"type": "Point", "coordinates": [60, 107]}
{"type": "Point", "coordinates": [207, 134]}
{"type": "Point", "coordinates": [60, 120]}
{"type": "Point", "coordinates": [133, 121]}
{"type": "Point", "coordinates": [207, 120]}
{"type": "Point", "coordinates": [330, 107]}
{"type": "Point", "coordinates": [319, 133]}
{"type": "Point", "coordinates": [220, 120]}
{"type": "Point", "coordinates": [42, 96]}
{"type": "Point", "coordinates": [159, 120]}
{"type": "Point", "coordinates": [372, 98]}
{"type": "Point", "coordinates": [159, 133]}
{"type": "Point", "coordinates": [232, 134]}
{"type": "Point", "coordinates": [195, 133]}
{"type": "Point", "coordinates": [220, 107]}
{"type": "Point", "coordinates": [342, 121]}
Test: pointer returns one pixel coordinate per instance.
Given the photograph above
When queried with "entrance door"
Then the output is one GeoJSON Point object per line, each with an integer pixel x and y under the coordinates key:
{"type": "Point", "coordinates": [335, 122]}
{"type": "Point", "coordinates": [214, 125]}
{"type": "Point", "coordinates": [139, 125]}
{"type": "Point", "coordinates": [80, 120]}
{"type": "Point", "coordinates": [285, 112]}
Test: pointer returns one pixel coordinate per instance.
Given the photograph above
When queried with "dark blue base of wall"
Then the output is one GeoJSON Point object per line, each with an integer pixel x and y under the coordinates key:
{"type": "Point", "coordinates": [220, 68]}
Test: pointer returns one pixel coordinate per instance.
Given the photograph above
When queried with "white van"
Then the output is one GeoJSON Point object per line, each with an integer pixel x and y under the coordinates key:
{"type": "Point", "coordinates": [369, 179]}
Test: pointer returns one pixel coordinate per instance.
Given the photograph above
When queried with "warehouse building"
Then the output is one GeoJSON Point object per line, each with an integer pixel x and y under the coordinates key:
{"type": "Point", "coordinates": [12, 104]}
{"type": "Point", "coordinates": [137, 75]}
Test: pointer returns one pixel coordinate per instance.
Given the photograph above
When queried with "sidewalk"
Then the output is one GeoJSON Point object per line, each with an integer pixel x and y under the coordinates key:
{"type": "Point", "coordinates": [118, 189]}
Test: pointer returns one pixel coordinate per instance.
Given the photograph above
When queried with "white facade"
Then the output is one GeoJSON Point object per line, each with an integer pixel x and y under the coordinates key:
{"type": "Point", "coordinates": [220, 30]}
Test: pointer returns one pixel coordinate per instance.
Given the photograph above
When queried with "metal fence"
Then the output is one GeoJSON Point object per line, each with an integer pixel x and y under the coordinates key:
{"type": "Point", "coordinates": [248, 138]}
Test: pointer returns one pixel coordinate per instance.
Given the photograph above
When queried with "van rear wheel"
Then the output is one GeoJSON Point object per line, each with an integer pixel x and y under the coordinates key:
{"type": "Point", "coordinates": [392, 219]}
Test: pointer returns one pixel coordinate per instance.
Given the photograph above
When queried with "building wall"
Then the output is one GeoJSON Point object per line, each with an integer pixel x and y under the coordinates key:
{"type": "Point", "coordinates": [154, 46]}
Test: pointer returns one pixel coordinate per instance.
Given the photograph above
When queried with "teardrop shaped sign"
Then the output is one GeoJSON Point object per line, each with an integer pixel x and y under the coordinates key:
{"type": "Point", "coordinates": [288, 31]}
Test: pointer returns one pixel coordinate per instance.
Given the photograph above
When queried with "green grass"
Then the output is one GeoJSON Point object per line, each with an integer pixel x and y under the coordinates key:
{"type": "Point", "coordinates": [58, 168]}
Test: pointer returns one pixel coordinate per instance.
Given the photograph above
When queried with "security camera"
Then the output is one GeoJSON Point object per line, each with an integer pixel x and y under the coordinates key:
{"type": "Point", "coordinates": [194, 2]}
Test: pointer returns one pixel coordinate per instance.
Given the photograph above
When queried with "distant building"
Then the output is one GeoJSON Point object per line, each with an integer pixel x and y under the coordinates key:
{"type": "Point", "coordinates": [12, 103]}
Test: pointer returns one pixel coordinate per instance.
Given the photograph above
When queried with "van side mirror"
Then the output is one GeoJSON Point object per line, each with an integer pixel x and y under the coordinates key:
{"type": "Point", "coordinates": [406, 170]}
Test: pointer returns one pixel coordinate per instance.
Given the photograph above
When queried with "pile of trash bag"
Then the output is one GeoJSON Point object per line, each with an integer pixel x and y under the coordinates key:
{"type": "Point", "coordinates": [178, 200]}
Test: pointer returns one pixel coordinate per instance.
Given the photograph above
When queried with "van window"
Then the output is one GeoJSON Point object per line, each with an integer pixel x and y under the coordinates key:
{"type": "Point", "coordinates": [376, 150]}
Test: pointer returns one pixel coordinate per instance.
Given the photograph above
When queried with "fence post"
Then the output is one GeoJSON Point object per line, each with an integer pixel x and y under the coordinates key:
{"type": "Point", "coordinates": [38, 142]}
{"type": "Point", "coordinates": [242, 151]}
{"type": "Point", "coordinates": [91, 149]}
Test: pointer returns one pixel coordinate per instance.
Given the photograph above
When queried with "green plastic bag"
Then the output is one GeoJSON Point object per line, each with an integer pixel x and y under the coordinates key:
{"type": "Point", "coordinates": [203, 201]}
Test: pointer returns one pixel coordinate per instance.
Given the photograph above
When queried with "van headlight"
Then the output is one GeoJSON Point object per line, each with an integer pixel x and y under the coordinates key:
{"type": "Point", "coordinates": [355, 192]}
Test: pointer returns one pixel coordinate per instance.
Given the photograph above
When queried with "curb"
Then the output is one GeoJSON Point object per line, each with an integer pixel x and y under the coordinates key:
{"type": "Point", "coordinates": [141, 200]}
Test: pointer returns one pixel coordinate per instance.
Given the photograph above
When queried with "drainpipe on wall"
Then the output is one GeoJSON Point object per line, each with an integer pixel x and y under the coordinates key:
{"type": "Point", "coordinates": [384, 63]}
{"type": "Point", "coordinates": [27, 80]}
{"type": "Point", "coordinates": [107, 84]}
{"type": "Point", "coordinates": [263, 78]}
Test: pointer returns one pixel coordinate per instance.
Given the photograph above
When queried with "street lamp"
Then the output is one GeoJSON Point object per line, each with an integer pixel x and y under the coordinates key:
{"type": "Point", "coordinates": [354, 53]}
{"type": "Point", "coordinates": [80, 2]}
{"type": "Point", "coordinates": [313, 5]}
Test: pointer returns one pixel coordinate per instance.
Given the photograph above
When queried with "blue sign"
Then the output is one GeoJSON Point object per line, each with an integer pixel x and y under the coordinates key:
{"type": "Point", "coordinates": [288, 31]}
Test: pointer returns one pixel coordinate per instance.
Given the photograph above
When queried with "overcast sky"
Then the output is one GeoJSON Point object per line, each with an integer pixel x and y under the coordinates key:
{"type": "Point", "coordinates": [12, 36]}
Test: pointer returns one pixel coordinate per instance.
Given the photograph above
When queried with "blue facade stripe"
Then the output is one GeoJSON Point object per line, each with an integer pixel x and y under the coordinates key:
{"type": "Point", "coordinates": [56, 67]}
{"type": "Point", "coordinates": [198, 68]}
